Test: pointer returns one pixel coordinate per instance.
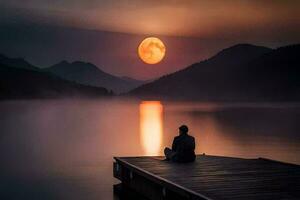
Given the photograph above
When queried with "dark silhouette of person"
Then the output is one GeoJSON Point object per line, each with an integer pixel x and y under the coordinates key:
{"type": "Point", "coordinates": [183, 147]}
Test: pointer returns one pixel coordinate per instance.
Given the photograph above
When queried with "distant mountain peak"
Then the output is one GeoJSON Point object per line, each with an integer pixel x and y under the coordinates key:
{"type": "Point", "coordinates": [80, 63]}
{"type": "Point", "coordinates": [244, 47]}
{"type": "Point", "coordinates": [63, 62]}
{"type": "Point", "coordinates": [16, 63]}
{"type": "Point", "coordinates": [85, 64]}
{"type": "Point", "coordinates": [89, 74]}
{"type": "Point", "coordinates": [74, 66]}
{"type": "Point", "coordinates": [240, 53]}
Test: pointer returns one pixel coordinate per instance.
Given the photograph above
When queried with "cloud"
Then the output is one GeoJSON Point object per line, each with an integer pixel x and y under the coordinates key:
{"type": "Point", "coordinates": [205, 19]}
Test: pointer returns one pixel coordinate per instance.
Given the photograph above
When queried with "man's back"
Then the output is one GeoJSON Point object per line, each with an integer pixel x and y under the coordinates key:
{"type": "Point", "coordinates": [184, 146]}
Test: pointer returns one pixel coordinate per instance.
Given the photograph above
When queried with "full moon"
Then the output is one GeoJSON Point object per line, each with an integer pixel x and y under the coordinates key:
{"type": "Point", "coordinates": [152, 50]}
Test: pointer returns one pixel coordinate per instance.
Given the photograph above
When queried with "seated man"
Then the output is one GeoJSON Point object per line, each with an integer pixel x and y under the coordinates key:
{"type": "Point", "coordinates": [183, 147]}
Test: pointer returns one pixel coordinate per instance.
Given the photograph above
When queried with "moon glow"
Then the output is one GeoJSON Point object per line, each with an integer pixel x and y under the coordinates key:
{"type": "Point", "coordinates": [151, 50]}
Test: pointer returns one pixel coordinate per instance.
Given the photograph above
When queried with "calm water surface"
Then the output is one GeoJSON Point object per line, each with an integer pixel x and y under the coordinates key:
{"type": "Point", "coordinates": [63, 149]}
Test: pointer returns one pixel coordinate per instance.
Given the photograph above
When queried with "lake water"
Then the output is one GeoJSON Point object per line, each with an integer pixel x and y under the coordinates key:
{"type": "Point", "coordinates": [63, 149]}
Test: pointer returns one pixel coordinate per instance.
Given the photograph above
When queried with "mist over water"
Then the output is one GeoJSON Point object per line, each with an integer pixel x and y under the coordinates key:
{"type": "Point", "coordinates": [63, 149]}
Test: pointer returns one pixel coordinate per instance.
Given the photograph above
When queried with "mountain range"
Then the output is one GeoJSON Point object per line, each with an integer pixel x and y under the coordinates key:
{"type": "Point", "coordinates": [16, 63]}
{"type": "Point", "coordinates": [242, 72]}
{"type": "Point", "coordinates": [21, 80]}
{"type": "Point", "coordinates": [89, 74]}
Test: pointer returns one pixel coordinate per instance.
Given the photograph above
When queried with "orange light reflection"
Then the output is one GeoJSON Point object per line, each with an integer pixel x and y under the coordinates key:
{"type": "Point", "coordinates": [151, 128]}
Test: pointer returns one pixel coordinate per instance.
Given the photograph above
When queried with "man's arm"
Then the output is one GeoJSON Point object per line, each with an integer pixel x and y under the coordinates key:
{"type": "Point", "coordinates": [193, 143]}
{"type": "Point", "coordinates": [174, 145]}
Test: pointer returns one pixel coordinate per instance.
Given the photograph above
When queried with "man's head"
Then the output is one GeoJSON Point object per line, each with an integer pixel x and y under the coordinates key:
{"type": "Point", "coordinates": [183, 129]}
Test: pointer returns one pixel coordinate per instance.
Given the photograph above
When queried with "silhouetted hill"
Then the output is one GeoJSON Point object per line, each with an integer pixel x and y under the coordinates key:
{"type": "Point", "coordinates": [274, 75]}
{"type": "Point", "coordinates": [132, 80]}
{"type": "Point", "coordinates": [23, 83]}
{"type": "Point", "coordinates": [239, 53]}
{"type": "Point", "coordinates": [89, 74]}
{"type": "Point", "coordinates": [16, 62]}
{"type": "Point", "coordinates": [243, 73]}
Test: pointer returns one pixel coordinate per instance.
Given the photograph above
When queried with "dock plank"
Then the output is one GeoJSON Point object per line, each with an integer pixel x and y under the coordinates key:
{"type": "Point", "coordinates": [215, 177]}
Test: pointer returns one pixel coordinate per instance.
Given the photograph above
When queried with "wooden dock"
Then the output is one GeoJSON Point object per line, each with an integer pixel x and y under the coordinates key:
{"type": "Point", "coordinates": [210, 177]}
